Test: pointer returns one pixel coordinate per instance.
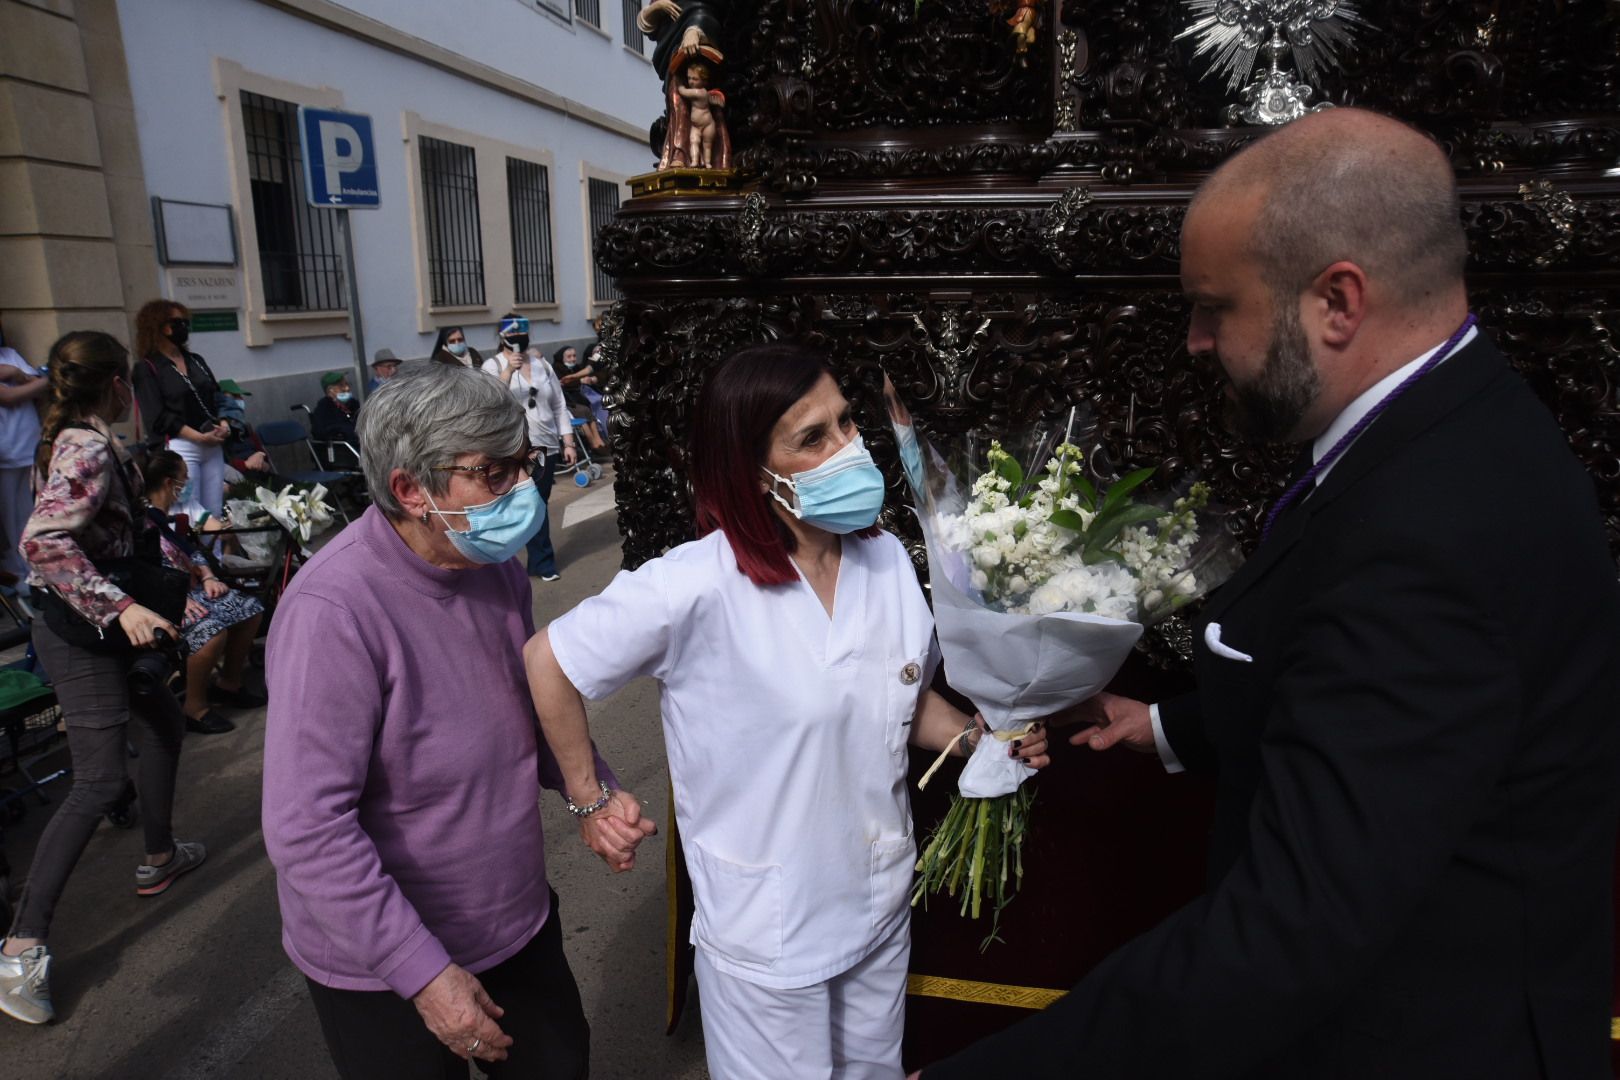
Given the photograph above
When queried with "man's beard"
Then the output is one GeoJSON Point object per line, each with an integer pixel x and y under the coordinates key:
{"type": "Point", "coordinates": [1270, 407]}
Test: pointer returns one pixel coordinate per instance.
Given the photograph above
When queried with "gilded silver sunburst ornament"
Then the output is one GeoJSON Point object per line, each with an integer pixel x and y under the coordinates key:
{"type": "Point", "coordinates": [1234, 32]}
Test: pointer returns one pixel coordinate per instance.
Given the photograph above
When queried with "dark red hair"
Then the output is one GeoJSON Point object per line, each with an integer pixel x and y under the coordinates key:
{"type": "Point", "coordinates": [731, 429]}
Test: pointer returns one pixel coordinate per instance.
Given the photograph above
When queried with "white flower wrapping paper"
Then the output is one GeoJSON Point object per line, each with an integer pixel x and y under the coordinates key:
{"type": "Point", "coordinates": [1016, 668]}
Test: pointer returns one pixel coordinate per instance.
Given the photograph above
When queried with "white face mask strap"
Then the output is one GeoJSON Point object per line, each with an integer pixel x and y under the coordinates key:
{"type": "Point", "coordinates": [771, 491]}
{"type": "Point", "coordinates": [428, 495]}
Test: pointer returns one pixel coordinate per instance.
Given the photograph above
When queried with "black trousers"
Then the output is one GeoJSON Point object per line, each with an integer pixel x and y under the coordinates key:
{"type": "Point", "coordinates": [378, 1035]}
{"type": "Point", "coordinates": [93, 690]}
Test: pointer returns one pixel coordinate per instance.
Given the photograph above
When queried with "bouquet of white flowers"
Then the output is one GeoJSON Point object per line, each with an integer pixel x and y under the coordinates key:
{"type": "Point", "coordinates": [1043, 580]}
{"type": "Point", "coordinates": [303, 513]}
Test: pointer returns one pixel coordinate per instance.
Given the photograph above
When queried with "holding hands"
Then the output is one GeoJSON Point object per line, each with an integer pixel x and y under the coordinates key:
{"type": "Point", "coordinates": [614, 831]}
{"type": "Point", "coordinates": [1109, 720]}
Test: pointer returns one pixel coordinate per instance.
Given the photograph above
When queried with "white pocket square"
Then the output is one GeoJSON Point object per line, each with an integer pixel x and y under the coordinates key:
{"type": "Point", "coordinates": [1212, 638]}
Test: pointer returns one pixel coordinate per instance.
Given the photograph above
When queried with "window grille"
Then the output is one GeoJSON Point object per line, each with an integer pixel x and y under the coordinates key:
{"type": "Point", "coordinates": [455, 246]}
{"type": "Point", "coordinates": [589, 11]}
{"type": "Point", "coordinates": [528, 196]}
{"type": "Point", "coordinates": [604, 201]}
{"type": "Point", "coordinates": [633, 37]}
{"type": "Point", "coordinates": [300, 251]}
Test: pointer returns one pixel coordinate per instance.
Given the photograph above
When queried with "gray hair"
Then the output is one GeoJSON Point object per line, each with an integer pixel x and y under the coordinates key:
{"type": "Point", "coordinates": [427, 415]}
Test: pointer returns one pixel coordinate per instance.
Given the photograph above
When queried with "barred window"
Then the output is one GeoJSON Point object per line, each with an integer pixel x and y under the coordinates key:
{"type": "Point", "coordinates": [633, 37]}
{"type": "Point", "coordinates": [589, 11]}
{"type": "Point", "coordinates": [528, 197]}
{"type": "Point", "coordinates": [300, 253]}
{"type": "Point", "coordinates": [558, 8]}
{"type": "Point", "coordinates": [604, 202]}
{"type": "Point", "coordinates": [455, 246]}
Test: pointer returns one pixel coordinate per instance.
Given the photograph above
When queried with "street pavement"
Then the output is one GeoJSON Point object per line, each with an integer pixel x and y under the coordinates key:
{"type": "Point", "coordinates": [194, 984]}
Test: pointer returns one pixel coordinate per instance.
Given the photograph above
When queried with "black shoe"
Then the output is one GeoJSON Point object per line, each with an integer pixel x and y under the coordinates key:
{"type": "Point", "coordinates": [241, 698]}
{"type": "Point", "coordinates": [209, 723]}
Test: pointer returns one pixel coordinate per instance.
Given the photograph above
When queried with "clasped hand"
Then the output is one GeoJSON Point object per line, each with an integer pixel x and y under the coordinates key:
{"type": "Point", "coordinates": [1109, 720]}
{"type": "Point", "coordinates": [614, 831]}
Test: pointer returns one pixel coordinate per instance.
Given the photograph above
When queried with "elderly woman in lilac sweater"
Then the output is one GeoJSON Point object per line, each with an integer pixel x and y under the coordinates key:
{"type": "Point", "coordinates": [403, 760]}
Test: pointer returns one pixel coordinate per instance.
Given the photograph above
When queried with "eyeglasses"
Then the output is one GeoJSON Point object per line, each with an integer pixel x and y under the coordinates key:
{"type": "Point", "coordinates": [499, 476]}
{"type": "Point", "coordinates": [534, 396]}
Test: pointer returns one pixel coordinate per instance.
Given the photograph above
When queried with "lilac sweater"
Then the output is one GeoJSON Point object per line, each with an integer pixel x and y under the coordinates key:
{"type": "Point", "coordinates": [402, 766]}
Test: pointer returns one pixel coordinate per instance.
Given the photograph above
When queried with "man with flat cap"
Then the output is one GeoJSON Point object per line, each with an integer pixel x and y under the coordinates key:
{"type": "Point", "coordinates": [1410, 694]}
{"type": "Point", "coordinates": [384, 366]}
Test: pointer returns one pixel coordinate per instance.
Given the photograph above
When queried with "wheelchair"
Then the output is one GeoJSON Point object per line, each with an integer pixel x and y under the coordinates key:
{"type": "Point", "coordinates": [583, 470]}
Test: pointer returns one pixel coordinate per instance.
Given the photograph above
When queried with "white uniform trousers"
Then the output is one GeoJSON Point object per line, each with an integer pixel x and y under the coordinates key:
{"type": "Point", "coordinates": [847, 1028]}
{"type": "Point", "coordinates": [206, 464]}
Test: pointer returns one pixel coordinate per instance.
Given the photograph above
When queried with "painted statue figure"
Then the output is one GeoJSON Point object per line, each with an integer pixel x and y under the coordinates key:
{"type": "Point", "coordinates": [689, 34]}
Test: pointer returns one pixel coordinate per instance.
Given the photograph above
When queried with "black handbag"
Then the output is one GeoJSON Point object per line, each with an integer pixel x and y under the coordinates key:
{"type": "Point", "coordinates": [144, 577]}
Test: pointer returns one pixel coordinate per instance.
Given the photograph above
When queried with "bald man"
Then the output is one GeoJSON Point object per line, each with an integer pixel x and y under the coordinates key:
{"type": "Point", "coordinates": [1410, 694]}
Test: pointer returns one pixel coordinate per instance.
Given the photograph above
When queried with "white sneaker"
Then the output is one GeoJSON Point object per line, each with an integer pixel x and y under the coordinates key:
{"type": "Point", "coordinates": [25, 986]}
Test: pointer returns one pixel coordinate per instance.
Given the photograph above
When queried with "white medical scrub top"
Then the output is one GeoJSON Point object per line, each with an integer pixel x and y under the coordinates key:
{"type": "Point", "coordinates": [786, 732]}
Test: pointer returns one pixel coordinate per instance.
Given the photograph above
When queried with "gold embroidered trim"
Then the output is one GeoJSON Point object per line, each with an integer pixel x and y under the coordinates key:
{"type": "Point", "coordinates": [983, 993]}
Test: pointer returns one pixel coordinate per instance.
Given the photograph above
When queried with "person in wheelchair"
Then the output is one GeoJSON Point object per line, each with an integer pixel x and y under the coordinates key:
{"type": "Point", "coordinates": [332, 419]}
{"type": "Point", "coordinates": [243, 450]}
{"type": "Point", "coordinates": [220, 623]}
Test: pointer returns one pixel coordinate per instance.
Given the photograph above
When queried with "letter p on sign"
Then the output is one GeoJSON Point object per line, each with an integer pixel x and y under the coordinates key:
{"type": "Point", "coordinates": [341, 151]}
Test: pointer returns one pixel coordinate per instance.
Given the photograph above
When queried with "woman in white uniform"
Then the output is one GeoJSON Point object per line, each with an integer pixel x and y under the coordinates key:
{"type": "Point", "coordinates": [794, 651]}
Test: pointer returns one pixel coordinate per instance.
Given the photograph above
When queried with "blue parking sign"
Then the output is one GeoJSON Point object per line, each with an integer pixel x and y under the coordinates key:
{"type": "Point", "coordinates": [340, 159]}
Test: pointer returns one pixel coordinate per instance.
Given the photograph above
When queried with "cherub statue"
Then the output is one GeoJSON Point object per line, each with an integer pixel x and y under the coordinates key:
{"type": "Point", "coordinates": [704, 115]}
{"type": "Point", "coordinates": [688, 35]}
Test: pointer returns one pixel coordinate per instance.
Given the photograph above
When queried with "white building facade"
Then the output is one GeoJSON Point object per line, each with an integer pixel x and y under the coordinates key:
{"type": "Point", "coordinates": [504, 132]}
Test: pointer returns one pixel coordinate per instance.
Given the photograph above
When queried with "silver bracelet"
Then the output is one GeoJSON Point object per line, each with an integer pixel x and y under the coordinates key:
{"type": "Point", "coordinates": [587, 811]}
{"type": "Point", "coordinates": [962, 739]}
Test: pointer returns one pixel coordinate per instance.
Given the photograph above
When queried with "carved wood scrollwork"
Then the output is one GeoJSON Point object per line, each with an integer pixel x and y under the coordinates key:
{"type": "Point", "coordinates": [1078, 232]}
{"type": "Point", "coordinates": [1001, 361]}
{"type": "Point", "coordinates": [1501, 85]}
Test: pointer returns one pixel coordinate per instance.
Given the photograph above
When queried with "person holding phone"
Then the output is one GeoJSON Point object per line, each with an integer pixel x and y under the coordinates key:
{"type": "Point", "coordinates": [551, 432]}
{"type": "Point", "coordinates": [175, 392]}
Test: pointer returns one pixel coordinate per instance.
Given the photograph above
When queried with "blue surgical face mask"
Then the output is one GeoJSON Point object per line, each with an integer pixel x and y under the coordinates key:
{"type": "Point", "coordinates": [498, 529]}
{"type": "Point", "coordinates": [457, 348]}
{"type": "Point", "coordinates": [911, 458]}
{"type": "Point", "coordinates": [841, 495]}
{"type": "Point", "coordinates": [346, 396]}
{"type": "Point", "coordinates": [186, 491]}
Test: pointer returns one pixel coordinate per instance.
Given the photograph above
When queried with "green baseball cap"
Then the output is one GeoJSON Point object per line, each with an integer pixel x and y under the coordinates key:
{"type": "Point", "coordinates": [332, 378]}
{"type": "Point", "coordinates": [230, 386]}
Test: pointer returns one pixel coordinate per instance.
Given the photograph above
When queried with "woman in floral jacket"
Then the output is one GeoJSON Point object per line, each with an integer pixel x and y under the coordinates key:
{"type": "Point", "coordinates": [84, 513]}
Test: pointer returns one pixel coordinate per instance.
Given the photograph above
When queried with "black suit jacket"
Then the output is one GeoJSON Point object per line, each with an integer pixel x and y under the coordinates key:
{"type": "Point", "coordinates": [1419, 780]}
